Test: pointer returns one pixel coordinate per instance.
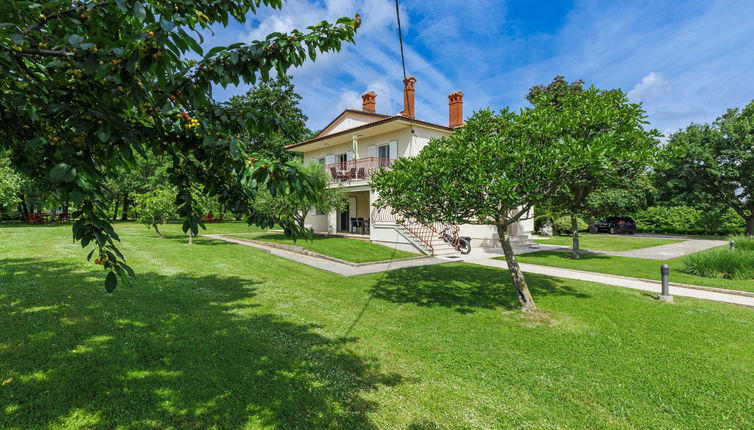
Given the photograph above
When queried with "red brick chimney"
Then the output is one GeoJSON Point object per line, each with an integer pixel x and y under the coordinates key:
{"type": "Point", "coordinates": [408, 97]}
{"type": "Point", "coordinates": [455, 109]}
{"type": "Point", "coordinates": [368, 102]}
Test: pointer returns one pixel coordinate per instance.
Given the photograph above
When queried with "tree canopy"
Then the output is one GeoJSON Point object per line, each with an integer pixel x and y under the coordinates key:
{"type": "Point", "coordinates": [10, 185]}
{"type": "Point", "coordinates": [612, 138]}
{"type": "Point", "coordinates": [156, 207]}
{"type": "Point", "coordinates": [88, 85]}
{"type": "Point", "coordinates": [493, 170]}
{"type": "Point", "coordinates": [280, 96]}
{"type": "Point", "coordinates": [716, 161]}
{"type": "Point", "coordinates": [294, 207]}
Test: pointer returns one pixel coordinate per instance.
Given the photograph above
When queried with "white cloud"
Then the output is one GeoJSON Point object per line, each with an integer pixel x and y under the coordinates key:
{"type": "Point", "coordinates": [348, 99]}
{"type": "Point", "coordinates": [703, 48]}
{"type": "Point", "coordinates": [651, 86]}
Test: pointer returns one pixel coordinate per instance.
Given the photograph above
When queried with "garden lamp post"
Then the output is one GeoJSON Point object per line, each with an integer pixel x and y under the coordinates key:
{"type": "Point", "coordinates": [665, 294]}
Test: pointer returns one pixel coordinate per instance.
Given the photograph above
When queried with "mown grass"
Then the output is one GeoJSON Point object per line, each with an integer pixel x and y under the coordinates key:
{"type": "Point", "coordinates": [217, 335]}
{"type": "Point", "coordinates": [607, 242]}
{"type": "Point", "coordinates": [353, 250]}
{"type": "Point", "coordinates": [633, 267]}
{"type": "Point", "coordinates": [721, 263]}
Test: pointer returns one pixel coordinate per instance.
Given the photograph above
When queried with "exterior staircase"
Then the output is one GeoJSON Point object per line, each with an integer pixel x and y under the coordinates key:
{"type": "Point", "coordinates": [425, 238]}
{"type": "Point", "coordinates": [522, 242]}
{"type": "Point", "coordinates": [438, 246]}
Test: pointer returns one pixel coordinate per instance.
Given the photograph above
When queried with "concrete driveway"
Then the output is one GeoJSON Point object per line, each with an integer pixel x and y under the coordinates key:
{"type": "Point", "coordinates": [669, 251]}
{"type": "Point", "coordinates": [661, 252]}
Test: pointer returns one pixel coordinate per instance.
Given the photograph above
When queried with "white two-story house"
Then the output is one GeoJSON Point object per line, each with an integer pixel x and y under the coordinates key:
{"type": "Point", "coordinates": [356, 144]}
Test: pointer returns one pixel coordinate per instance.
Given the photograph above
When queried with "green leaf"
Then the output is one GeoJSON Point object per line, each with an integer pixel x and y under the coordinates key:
{"type": "Point", "coordinates": [103, 134]}
{"type": "Point", "coordinates": [58, 172]}
{"type": "Point", "coordinates": [75, 39]}
{"type": "Point", "coordinates": [111, 281]}
{"type": "Point", "coordinates": [166, 25]}
{"type": "Point", "coordinates": [139, 10]}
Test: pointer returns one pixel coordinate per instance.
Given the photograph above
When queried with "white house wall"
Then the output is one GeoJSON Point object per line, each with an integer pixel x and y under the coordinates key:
{"type": "Point", "coordinates": [350, 121]}
{"type": "Point", "coordinates": [408, 146]}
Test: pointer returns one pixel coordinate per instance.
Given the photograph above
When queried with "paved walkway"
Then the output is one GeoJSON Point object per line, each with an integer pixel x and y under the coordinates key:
{"type": "Point", "coordinates": [671, 250]}
{"type": "Point", "coordinates": [625, 282]}
{"type": "Point", "coordinates": [333, 266]}
{"type": "Point", "coordinates": [660, 252]}
{"type": "Point", "coordinates": [484, 257]}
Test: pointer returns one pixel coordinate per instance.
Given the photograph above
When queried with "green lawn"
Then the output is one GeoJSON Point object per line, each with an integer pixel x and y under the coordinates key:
{"type": "Point", "coordinates": [634, 267]}
{"type": "Point", "coordinates": [607, 242]}
{"type": "Point", "coordinates": [217, 335]}
{"type": "Point", "coordinates": [353, 250]}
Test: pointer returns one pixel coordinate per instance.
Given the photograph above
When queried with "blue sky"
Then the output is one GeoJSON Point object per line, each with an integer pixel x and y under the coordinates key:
{"type": "Point", "coordinates": [687, 61]}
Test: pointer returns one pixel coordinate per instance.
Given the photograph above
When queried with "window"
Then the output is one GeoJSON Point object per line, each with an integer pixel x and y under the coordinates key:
{"type": "Point", "coordinates": [322, 161]}
{"type": "Point", "coordinates": [343, 161]}
{"type": "Point", "coordinates": [383, 154]}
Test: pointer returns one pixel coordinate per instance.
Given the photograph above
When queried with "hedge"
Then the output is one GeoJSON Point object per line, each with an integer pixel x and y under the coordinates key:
{"type": "Point", "coordinates": [688, 220]}
{"type": "Point", "coordinates": [563, 225]}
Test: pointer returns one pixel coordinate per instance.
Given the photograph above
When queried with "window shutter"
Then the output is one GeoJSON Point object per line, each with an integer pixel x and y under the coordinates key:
{"type": "Point", "coordinates": [371, 151]}
{"type": "Point", "coordinates": [394, 149]}
{"type": "Point", "coordinates": [330, 159]}
{"type": "Point", "coordinates": [349, 155]}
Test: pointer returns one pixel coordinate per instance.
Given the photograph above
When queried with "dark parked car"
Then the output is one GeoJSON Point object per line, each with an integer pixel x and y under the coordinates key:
{"type": "Point", "coordinates": [616, 224]}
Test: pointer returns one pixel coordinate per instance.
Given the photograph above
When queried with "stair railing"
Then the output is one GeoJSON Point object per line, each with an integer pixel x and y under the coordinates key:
{"type": "Point", "coordinates": [424, 233]}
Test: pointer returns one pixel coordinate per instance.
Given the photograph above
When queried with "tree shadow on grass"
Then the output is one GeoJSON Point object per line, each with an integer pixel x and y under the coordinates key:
{"type": "Point", "coordinates": [565, 254]}
{"type": "Point", "coordinates": [465, 287]}
{"type": "Point", "coordinates": [171, 351]}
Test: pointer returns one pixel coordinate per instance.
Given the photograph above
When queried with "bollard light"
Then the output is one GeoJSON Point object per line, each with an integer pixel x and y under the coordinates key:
{"type": "Point", "coordinates": [732, 245]}
{"type": "Point", "coordinates": [665, 294]}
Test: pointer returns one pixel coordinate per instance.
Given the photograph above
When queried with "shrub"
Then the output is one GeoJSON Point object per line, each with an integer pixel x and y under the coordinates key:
{"type": "Point", "coordinates": [688, 220]}
{"type": "Point", "coordinates": [720, 263]}
{"type": "Point", "coordinates": [743, 243]}
{"type": "Point", "coordinates": [563, 225]}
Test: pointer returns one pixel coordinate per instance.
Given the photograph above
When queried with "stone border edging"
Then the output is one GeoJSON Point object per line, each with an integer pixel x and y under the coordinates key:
{"type": "Point", "coordinates": [303, 251]}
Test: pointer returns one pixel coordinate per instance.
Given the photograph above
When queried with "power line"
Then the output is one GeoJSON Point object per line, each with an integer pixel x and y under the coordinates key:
{"type": "Point", "coordinates": [400, 38]}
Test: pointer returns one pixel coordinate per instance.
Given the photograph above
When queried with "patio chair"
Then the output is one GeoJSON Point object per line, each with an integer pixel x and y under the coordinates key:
{"type": "Point", "coordinates": [351, 173]}
{"type": "Point", "coordinates": [361, 174]}
{"type": "Point", "coordinates": [334, 173]}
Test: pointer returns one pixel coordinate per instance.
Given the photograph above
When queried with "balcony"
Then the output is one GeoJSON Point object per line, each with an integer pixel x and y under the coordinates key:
{"type": "Point", "coordinates": [357, 170]}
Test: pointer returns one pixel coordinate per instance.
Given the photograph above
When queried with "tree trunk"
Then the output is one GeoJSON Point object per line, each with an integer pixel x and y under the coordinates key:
{"type": "Point", "coordinates": [575, 234]}
{"type": "Point", "coordinates": [590, 220]}
{"type": "Point", "coordinates": [300, 220]}
{"type": "Point", "coordinates": [124, 215]}
{"type": "Point", "coordinates": [24, 208]}
{"type": "Point", "coordinates": [522, 290]}
{"type": "Point", "coordinates": [750, 225]}
{"type": "Point", "coordinates": [115, 212]}
{"type": "Point", "coordinates": [191, 237]}
{"type": "Point", "coordinates": [157, 230]}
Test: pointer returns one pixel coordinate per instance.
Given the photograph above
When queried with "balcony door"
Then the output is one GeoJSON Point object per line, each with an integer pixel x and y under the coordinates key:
{"type": "Point", "coordinates": [383, 154]}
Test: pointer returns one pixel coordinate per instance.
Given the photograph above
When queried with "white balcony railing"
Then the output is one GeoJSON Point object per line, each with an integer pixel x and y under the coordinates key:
{"type": "Point", "coordinates": [357, 170]}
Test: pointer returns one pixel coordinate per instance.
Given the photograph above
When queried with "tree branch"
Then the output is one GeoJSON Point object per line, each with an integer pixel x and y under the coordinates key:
{"type": "Point", "coordinates": [47, 53]}
{"type": "Point", "coordinates": [44, 20]}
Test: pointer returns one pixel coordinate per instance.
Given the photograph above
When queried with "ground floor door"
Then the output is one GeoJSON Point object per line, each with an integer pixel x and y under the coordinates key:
{"type": "Point", "coordinates": [345, 218]}
{"type": "Point", "coordinates": [343, 221]}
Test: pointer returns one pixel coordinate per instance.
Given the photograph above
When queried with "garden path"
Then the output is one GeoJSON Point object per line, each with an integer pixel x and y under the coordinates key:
{"type": "Point", "coordinates": [334, 266]}
{"type": "Point", "coordinates": [669, 251]}
{"type": "Point", "coordinates": [484, 256]}
{"type": "Point", "coordinates": [717, 295]}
